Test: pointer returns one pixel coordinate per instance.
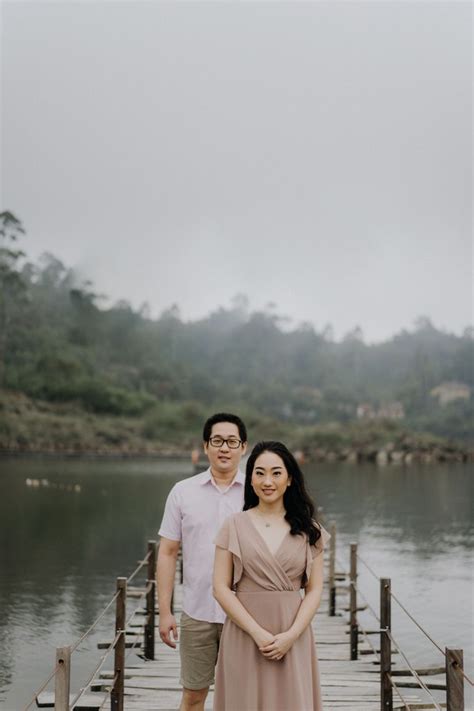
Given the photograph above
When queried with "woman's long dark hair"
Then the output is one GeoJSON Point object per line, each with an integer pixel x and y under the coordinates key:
{"type": "Point", "coordinates": [298, 504]}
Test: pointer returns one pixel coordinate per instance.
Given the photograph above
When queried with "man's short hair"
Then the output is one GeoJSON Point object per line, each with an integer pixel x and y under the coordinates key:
{"type": "Point", "coordinates": [224, 417]}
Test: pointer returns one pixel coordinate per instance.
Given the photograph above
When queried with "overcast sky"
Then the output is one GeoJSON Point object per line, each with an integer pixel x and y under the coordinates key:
{"type": "Point", "coordinates": [316, 154]}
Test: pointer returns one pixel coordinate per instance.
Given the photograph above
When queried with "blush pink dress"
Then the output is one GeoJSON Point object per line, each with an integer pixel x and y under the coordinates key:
{"type": "Point", "coordinates": [268, 586]}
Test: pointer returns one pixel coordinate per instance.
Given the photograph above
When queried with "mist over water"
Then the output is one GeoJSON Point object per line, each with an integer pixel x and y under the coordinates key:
{"type": "Point", "coordinates": [62, 550]}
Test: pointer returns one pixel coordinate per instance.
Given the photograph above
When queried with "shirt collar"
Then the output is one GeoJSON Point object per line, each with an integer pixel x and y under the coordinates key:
{"type": "Point", "coordinates": [238, 479]}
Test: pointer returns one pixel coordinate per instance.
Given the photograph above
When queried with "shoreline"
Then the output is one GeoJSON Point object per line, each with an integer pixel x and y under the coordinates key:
{"type": "Point", "coordinates": [58, 454]}
{"type": "Point", "coordinates": [36, 429]}
{"type": "Point", "coordinates": [378, 455]}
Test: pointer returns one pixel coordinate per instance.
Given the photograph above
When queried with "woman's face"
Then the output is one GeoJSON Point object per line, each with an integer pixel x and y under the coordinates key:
{"type": "Point", "coordinates": [270, 478]}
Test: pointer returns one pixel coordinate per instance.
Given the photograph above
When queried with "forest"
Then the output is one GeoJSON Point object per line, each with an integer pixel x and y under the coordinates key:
{"type": "Point", "coordinates": [76, 372]}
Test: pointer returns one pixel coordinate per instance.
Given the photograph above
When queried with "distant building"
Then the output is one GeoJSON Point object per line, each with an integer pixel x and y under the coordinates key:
{"type": "Point", "coordinates": [391, 411]}
{"type": "Point", "coordinates": [388, 411]}
{"type": "Point", "coordinates": [450, 391]}
{"type": "Point", "coordinates": [365, 411]}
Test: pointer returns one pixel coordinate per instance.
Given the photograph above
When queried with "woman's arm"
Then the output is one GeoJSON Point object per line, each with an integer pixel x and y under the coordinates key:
{"type": "Point", "coordinates": [312, 599]}
{"type": "Point", "coordinates": [222, 583]}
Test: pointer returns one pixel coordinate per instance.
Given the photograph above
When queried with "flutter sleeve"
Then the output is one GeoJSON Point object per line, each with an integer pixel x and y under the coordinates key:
{"type": "Point", "coordinates": [228, 539]}
{"type": "Point", "coordinates": [313, 552]}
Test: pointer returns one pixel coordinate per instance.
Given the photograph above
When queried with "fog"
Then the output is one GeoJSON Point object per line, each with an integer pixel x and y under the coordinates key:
{"type": "Point", "coordinates": [315, 155]}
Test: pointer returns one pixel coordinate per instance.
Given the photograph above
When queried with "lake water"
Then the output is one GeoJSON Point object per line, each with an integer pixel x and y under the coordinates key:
{"type": "Point", "coordinates": [61, 551]}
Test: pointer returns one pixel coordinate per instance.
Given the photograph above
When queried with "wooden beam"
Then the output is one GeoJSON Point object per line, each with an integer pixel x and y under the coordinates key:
{"type": "Point", "coordinates": [116, 696]}
{"type": "Point", "coordinates": [62, 682]}
{"type": "Point", "coordinates": [386, 696]}
{"type": "Point", "coordinates": [454, 680]}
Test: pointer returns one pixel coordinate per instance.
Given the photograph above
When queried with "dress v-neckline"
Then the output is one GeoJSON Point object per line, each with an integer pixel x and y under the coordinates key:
{"type": "Point", "coordinates": [273, 554]}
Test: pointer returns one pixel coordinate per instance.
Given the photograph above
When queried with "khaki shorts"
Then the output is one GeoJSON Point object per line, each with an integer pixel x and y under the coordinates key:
{"type": "Point", "coordinates": [198, 648]}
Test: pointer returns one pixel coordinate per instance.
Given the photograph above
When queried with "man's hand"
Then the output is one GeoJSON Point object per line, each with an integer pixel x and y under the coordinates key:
{"type": "Point", "coordinates": [168, 630]}
{"type": "Point", "coordinates": [280, 645]}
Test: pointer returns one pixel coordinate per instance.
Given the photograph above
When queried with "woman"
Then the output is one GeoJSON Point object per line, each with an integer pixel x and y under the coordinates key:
{"type": "Point", "coordinates": [266, 553]}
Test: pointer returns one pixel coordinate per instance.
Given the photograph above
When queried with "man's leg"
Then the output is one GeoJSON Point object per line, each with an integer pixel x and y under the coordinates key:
{"type": "Point", "coordinates": [198, 647]}
{"type": "Point", "coordinates": [193, 699]}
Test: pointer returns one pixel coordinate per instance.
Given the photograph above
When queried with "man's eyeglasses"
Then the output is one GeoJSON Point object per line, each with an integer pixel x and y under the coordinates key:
{"type": "Point", "coordinates": [231, 442]}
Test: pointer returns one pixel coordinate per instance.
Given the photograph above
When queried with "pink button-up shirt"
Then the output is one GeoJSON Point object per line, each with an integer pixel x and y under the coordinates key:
{"type": "Point", "coordinates": [195, 510]}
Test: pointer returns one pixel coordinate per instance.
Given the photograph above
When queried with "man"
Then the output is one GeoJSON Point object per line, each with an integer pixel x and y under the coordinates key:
{"type": "Point", "coordinates": [195, 510]}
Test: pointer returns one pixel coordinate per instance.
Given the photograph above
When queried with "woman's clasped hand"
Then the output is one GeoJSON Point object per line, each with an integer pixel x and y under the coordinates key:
{"type": "Point", "coordinates": [279, 646]}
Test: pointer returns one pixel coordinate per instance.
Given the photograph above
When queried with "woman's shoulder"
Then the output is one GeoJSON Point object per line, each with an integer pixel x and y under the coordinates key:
{"type": "Point", "coordinates": [238, 517]}
{"type": "Point", "coordinates": [235, 518]}
{"type": "Point", "coordinates": [323, 536]}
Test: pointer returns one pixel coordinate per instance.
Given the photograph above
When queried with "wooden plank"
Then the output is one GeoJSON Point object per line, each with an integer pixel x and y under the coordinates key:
{"type": "Point", "coordinates": [89, 702]}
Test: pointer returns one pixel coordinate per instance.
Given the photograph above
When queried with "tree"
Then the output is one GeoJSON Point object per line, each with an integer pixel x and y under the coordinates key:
{"type": "Point", "coordinates": [84, 330]}
{"type": "Point", "coordinates": [12, 286]}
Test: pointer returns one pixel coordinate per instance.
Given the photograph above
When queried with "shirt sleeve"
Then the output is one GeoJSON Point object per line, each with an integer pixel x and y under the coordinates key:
{"type": "Point", "coordinates": [171, 522]}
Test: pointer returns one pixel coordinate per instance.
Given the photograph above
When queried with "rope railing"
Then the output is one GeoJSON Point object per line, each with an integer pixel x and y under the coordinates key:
{"type": "Point", "coordinates": [112, 645]}
{"type": "Point", "coordinates": [402, 699]}
{"type": "Point", "coordinates": [94, 624]}
{"type": "Point", "coordinates": [145, 561]}
{"type": "Point", "coordinates": [139, 567]}
{"type": "Point", "coordinates": [394, 597]}
{"type": "Point", "coordinates": [352, 584]}
{"type": "Point", "coordinates": [132, 648]}
{"type": "Point", "coordinates": [413, 619]}
{"type": "Point", "coordinates": [109, 604]}
{"type": "Point", "coordinates": [107, 697]}
{"type": "Point", "coordinates": [411, 669]}
{"type": "Point", "coordinates": [83, 690]}
{"type": "Point", "coordinates": [369, 606]}
{"type": "Point", "coordinates": [369, 641]}
{"type": "Point", "coordinates": [392, 682]}
{"type": "Point", "coordinates": [109, 649]}
{"type": "Point", "coordinates": [42, 688]}
{"type": "Point", "coordinates": [372, 646]}
{"type": "Point", "coordinates": [143, 594]}
{"type": "Point", "coordinates": [453, 667]}
{"type": "Point", "coordinates": [408, 614]}
{"type": "Point", "coordinates": [377, 577]}
{"type": "Point", "coordinates": [138, 634]}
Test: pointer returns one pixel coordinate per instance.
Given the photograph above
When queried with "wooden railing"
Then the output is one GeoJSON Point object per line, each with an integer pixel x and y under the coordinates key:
{"type": "Point", "coordinates": [452, 667]}
{"type": "Point", "coordinates": [62, 671]}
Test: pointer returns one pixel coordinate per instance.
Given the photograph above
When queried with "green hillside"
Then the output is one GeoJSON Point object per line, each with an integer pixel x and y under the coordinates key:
{"type": "Point", "coordinates": [64, 354]}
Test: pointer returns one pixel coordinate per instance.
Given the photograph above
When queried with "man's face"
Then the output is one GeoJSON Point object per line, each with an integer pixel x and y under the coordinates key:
{"type": "Point", "coordinates": [222, 458]}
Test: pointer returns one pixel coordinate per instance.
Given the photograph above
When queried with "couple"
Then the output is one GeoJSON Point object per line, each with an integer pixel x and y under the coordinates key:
{"type": "Point", "coordinates": [249, 545]}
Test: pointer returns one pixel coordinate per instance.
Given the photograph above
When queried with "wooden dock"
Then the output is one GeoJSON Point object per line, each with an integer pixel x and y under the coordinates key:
{"type": "Point", "coordinates": [154, 685]}
{"type": "Point", "coordinates": [360, 669]}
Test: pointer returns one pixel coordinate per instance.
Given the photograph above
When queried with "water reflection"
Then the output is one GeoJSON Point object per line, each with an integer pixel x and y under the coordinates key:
{"type": "Point", "coordinates": [424, 509]}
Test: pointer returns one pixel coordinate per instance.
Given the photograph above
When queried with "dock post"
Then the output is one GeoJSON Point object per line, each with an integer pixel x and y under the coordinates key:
{"type": "Point", "coordinates": [386, 694]}
{"type": "Point", "coordinates": [150, 603]}
{"type": "Point", "coordinates": [62, 681]}
{"type": "Point", "coordinates": [454, 680]}
{"type": "Point", "coordinates": [116, 696]}
{"type": "Point", "coordinates": [353, 604]}
{"type": "Point", "coordinates": [332, 571]}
